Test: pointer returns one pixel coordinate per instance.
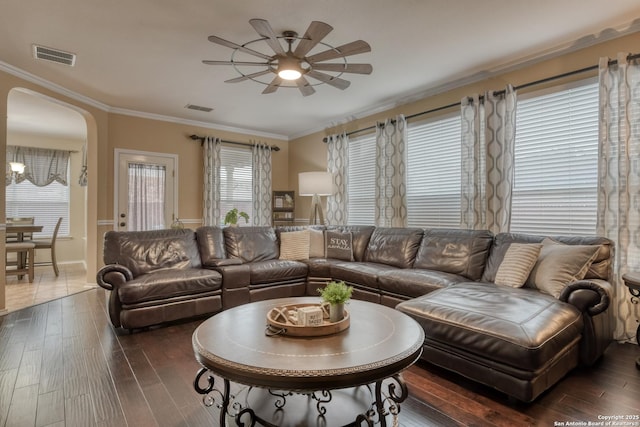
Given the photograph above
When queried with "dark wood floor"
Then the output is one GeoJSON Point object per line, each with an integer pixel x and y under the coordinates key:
{"type": "Point", "coordinates": [63, 364]}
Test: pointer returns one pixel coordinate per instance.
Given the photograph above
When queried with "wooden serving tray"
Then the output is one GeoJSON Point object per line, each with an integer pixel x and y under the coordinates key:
{"type": "Point", "coordinates": [276, 325]}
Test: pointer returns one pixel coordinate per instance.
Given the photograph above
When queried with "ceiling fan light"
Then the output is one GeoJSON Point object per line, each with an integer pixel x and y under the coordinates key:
{"type": "Point", "coordinates": [289, 74]}
{"type": "Point", "coordinates": [289, 68]}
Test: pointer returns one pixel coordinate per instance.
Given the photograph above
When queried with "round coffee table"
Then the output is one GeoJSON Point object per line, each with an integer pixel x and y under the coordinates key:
{"type": "Point", "coordinates": [367, 357]}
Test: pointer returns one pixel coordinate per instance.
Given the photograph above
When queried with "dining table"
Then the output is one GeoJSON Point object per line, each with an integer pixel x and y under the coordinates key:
{"type": "Point", "coordinates": [21, 229]}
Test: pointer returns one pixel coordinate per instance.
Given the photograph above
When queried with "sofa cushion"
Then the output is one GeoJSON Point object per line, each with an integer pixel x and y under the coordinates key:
{"type": "Point", "coordinates": [462, 252]}
{"type": "Point", "coordinates": [394, 246]}
{"type": "Point", "coordinates": [559, 264]}
{"type": "Point", "coordinates": [170, 283]}
{"type": "Point", "coordinates": [210, 244]}
{"type": "Point", "coordinates": [515, 327]}
{"type": "Point", "coordinates": [361, 273]}
{"type": "Point", "coordinates": [338, 245]}
{"type": "Point", "coordinates": [517, 264]}
{"type": "Point", "coordinates": [251, 243]}
{"type": "Point", "coordinates": [276, 271]}
{"type": "Point", "coordinates": [416, 282]}
{"type": "Point", "coordinates": [146, 251]}
{"type": "Point", "coordinates": [294, 245]}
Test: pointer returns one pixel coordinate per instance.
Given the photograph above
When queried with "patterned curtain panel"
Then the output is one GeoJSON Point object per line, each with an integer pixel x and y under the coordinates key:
{"type": "Point", "coordinates": [488, 140]}
{"type": "Point", "coordinates": [83, 180]}
{"type": "Point", "coordinates": [338, 165]}
{"type": "Point", "coordinates": [391, 180]}
{"type": "Point", "coordinates": [619, 179]}
{"type": "Point", "coordinates": [211, 185]}
{"type": "Point", "coordinates": [42, 165]}
{"type": "Point", "coordinates": [261, 184]}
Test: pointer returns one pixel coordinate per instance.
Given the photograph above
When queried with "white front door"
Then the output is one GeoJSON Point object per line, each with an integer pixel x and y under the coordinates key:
{"type": "Point", "coordinates": [146, 190]}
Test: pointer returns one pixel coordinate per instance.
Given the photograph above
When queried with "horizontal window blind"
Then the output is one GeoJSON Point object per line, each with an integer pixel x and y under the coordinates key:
{"type": "Point", "coordinates": [362, 180]}
{"type": "Point", "coordinates": [556, 163]}
{"type": "Point", "coordinates": [433, 173]}
{"type": "Point", "coordinates": [236, 179]}
{"type": "Point", "coordinates": [45, 204]}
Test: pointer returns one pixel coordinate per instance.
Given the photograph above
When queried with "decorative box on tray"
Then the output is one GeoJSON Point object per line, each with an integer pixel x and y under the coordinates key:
{"type": "Point", "coordinates": [304, 320]}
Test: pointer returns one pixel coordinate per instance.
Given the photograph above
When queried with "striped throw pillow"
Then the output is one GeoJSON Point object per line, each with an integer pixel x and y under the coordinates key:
{"type": "Point", "coordinates": [517, 264]}
{"type": "Point", "coordinates": [294, 245]}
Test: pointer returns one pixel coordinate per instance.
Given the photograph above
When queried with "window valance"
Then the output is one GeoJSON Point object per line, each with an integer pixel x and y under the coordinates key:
{"type": "Point", "coordinates": [42, 165]}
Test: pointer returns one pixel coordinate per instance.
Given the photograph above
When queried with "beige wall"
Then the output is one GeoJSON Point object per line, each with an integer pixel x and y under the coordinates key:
{"type": "Point", "coordinates": [308, 153]}
{"type": "Point", "coordinates": [133, 133]}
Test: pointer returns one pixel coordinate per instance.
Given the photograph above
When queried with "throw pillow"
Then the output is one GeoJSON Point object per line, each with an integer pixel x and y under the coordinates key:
{"type": "Point", "coordinates": [294, 245]}
{"type": "Point", "coordinates": [559, 264]}
{"type": "Point", "coordinates": [316, 243]}
{"type": "Point", "coordinates": [338, 245]}
{"type": "Point", "coordinates": [517, 263]}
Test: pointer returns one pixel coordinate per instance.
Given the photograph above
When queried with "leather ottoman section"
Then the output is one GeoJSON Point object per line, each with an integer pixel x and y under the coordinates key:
{"type": "Point", "coordinates": [362, 273]}
{"type": "Point", "coordinates": [277, 270]}
{"type": "Point", "coordinates": [518, 328]}
{"type": "Point", "coordinates": [522, 385]}
{"type": "Point", "coordinates": [166, 284]}
{"type": "Point", "coordinates": [413, 283]}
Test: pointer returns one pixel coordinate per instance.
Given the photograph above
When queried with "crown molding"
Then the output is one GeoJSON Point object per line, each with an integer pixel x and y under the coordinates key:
{"type": "Point", "coordinates": [477, 76]}
{"type": "Point", "coordinates": [17, 72]}
{"type": "Point", "coordinates": [207, 125]}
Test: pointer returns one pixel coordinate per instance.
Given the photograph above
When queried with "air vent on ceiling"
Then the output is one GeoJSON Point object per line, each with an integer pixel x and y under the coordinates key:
{"type": "Point", "coordinates": [54, 55]}
{"type": "Point", "coordinates": [198, 108]}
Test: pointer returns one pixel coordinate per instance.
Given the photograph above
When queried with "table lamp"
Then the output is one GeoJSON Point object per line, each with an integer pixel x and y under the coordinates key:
{"type": "Point", "coordinates": [315, 184]}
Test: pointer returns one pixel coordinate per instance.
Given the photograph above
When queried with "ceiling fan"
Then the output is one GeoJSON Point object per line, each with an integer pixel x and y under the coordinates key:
{"type": "Point", "coordinates": [294, 65]}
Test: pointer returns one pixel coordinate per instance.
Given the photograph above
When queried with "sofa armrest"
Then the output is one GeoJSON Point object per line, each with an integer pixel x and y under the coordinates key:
{"type": "Point", "coordinates": [235, 276]}
{"type": "Point", "coordinates": [589, 296]}
{"type": "Point", "coordinates": [222, 262]}
{"type": "Point", "coordinates": [112, 275]}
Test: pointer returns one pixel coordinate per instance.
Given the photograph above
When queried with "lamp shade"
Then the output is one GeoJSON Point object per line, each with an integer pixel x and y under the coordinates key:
{"type": "Point", "coordinates": [312, 183]}
{"type": "Point", "coordinates": [17, 167]}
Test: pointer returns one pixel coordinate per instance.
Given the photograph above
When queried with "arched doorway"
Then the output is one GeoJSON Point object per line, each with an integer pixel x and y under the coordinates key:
{"type": "Point", "coordinates": [32, 116]}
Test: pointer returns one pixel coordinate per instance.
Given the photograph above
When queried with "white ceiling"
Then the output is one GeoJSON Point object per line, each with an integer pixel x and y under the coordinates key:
{"type": "Point", "coordinates": [145, 56]}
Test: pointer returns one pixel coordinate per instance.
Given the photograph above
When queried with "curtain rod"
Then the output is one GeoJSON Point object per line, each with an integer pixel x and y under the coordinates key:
{"type": "Point", "coordinates": [522, 86]}
{"type": "Point", "coordinates": [195, 137]}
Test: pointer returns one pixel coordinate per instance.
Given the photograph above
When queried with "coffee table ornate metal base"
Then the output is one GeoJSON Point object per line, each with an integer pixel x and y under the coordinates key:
{"type": "Point", "coordinates": [350, 378]}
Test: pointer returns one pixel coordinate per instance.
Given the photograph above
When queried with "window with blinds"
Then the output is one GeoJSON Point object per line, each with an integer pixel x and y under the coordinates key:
{"type": "Point", "coordinates": [433, 173]}
{"type": "Point", "coordinates": [45, 204]}
{"type": "Point", "coordinates": [556, 162]}
{"type": "Point", "coordinates": [236, 189]}
{"type": "Point", "coordinates": [362, 179]}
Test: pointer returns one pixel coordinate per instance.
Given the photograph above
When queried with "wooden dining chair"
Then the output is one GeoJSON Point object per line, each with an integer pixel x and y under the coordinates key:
{"type": "Point", "coordinates": [20, 248]}
{"type": "Point", "coordinates": [51, 244]}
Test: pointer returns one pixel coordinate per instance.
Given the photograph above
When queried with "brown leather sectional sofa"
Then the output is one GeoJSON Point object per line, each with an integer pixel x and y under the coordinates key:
{"type": "Point", "coordinates": [520, 341]}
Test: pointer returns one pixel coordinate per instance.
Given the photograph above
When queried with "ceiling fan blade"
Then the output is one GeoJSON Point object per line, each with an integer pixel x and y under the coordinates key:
{"type": "Point", "coordinates": [232, 45]}
{"type": "Point", "coordinates": [261, 64]}
{"type": "Point", "coordinates": [264, 29]}
{"type": "Point", "coordinates": [249, 76]}
{"type": "Point", "coordinates": [305, 87]}
{"type": "Point", "coordinates": [353, 48]}
{"type": "Point", "coordinates": [315, 33]}
{"type": "Point", "coordinates": [345, 68]}
{"type": "Point", "coordinates": [273, 86]}
{"type": "Point", "coordinates": [330, 80]}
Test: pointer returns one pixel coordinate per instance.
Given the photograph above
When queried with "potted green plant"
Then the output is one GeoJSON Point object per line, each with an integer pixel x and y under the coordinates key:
{"type": "Point", "coordinates": [232, 217]}
{"type": "Point", "coordinates": [336, 294]}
